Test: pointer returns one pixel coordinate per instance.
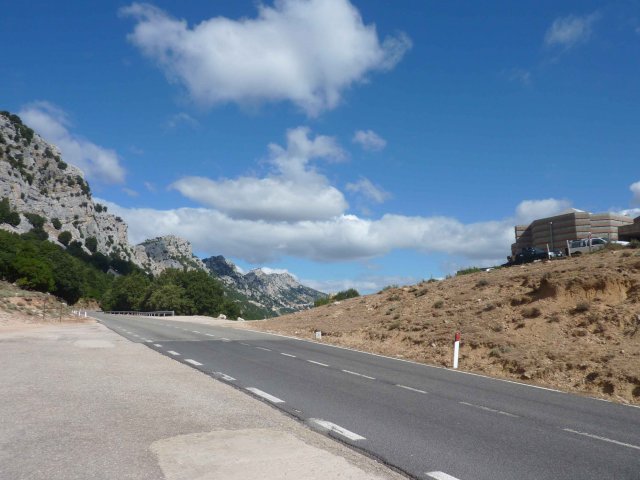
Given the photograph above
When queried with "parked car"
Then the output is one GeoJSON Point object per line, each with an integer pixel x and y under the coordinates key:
{"type": "Point", "coordinates": [528, 255]}
{"type": "Point", "coordinates": [578, 247]}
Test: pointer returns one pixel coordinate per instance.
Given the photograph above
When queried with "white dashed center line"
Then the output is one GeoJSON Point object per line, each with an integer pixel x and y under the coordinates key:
{"type": "Point", "coordinates": [265, 395]}
{"type": "Point", "coordinates": [358, 374]}
{"type": "Point", "coordinates": [174, 353]}
{"type": "Point", "coordinates": [411, 388]}
{"type": "Point", "coordinates": [265, 349]}
{"type": "Point", "coordinates": [337, 429]}
{"type": "Point", "coordinates": [157, 345]}
{"type": "Point", "coordinates": [604, 439]}
{"type": "Point", "coordinates": [209, 335]}
{"type": "Point", "coordinates": [318, 363]}
{"type": "Point", "coordinates": [225, 339]}
{"type": "Point", "coordinates": [194, 331]}
{"type": "Point", "coordinates": [245, 344]}
{"type": "Point", "coordinates": [288, 355]}
{"type": "Point", "coordinates": [193, 362]}
{"type": "Point", "coordinates": [487, 409]}
{"type": "Point", "coordinates": [440, 476]}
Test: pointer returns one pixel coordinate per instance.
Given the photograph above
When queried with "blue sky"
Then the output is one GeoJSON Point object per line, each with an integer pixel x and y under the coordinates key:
{"type": "Point", "coordinates": [351, 143]}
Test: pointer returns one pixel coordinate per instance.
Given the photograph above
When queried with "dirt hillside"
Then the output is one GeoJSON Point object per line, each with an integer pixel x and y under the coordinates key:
{"type": "Point", "coordinates": [571, 324]}
{"type": "Point", "coordinates": [20, 309]}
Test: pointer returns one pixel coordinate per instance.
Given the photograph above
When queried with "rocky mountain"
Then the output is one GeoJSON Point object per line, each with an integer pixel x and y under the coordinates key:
{"type": "Point", "coordinates": [276, 292]}
{"type": "Point", "coordinates": [168, 252]}
{"type": "Point", "coordinates": [40, 187]}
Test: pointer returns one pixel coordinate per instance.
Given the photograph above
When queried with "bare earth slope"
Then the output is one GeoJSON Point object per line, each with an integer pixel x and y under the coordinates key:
{"type": "Point", "coordinates": [571, 324]}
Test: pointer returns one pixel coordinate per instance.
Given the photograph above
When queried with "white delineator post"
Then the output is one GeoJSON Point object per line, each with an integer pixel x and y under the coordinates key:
{"type": "Point", "coordinates": [456, 350]}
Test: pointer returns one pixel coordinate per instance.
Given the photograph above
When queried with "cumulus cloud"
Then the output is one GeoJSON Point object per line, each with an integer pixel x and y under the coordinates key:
{"type": "Point", "coordinates": [365, 284]}
{"type": "Point", "coordinates": [304, 51]}
{"type": "Point", "coordinates": [293, 192]}
{"type": "Point", "coordinates": [369, 140]}
{"type": "Point", "coordinates": [569, 31]}
{"type": "Point", "coordinates": [368, 190]}
{"type": "Point", "coordinates": [635, 189]}
{"type": "Point", "coordinates": [277, 271]}
{"type": "Point", "coordinates": [529, 210]}
{"type": "Point", "coordinates": [52, 123]}
{"type": "Point", "coordinates": [343, 238]}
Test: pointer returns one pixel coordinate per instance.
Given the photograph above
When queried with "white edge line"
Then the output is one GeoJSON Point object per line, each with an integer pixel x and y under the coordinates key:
{"type": "Point", "coordinates": [440, 476]}
{"type": "Point", "coordinates": [265, 395]}
{"type": "Point", "coordinates": [426, 365]}
{"type": "Point", "coordinates": [411, 388]}
{"type": "Point", "coordinates": [226, 377]}
{"type": "Point", "coordinates": [337, 429]}
{"type": "Point", "coordinates": [157, 345]}
{"type": "Point", "coordinates": [488, 409]}
{"type": "Point", "coordinates": [358, 374]}
{"type": "Point", "coordinates": [604, 439]}
{"type": "Point", "coordinates": [318, 363]}
{"type": "Point", "coordinates": [174, 353]}
{"type": "Point", "coordinates": [287, 355]}
{"type": "Point", "coordinates": [193, 362]}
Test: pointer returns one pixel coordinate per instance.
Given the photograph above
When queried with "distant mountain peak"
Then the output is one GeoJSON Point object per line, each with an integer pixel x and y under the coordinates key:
{"type": "Point", "coordinates": [279, 292]}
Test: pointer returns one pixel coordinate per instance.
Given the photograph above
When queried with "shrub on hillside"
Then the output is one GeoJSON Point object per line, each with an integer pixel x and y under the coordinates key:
{"type": "Point", "coordinates": [7, 214]}
{"type": "Point", "coordinates": [65, 237]}
{"type": "Point", "coordinates": [36, 220]}
{"type": "Point", "coordinates": [57, 224]}
{"type": "Point", "coordinates": [92, 244]}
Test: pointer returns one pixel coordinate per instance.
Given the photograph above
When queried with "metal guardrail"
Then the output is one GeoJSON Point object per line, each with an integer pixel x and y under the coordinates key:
{"type": "Point", "coordinates": [160, 313]}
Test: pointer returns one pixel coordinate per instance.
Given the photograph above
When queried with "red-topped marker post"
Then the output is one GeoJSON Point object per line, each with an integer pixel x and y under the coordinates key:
{"type": "Point", "coordinates": [456, 350]}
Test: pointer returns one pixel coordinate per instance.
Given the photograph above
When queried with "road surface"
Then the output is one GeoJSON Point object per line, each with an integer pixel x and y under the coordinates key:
{"type": "Point", "coordinates": [429, 422]}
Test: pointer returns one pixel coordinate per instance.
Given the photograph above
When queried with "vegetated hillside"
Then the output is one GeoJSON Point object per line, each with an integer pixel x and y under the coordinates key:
{"type": "Point", "coordinates": [572, 324]}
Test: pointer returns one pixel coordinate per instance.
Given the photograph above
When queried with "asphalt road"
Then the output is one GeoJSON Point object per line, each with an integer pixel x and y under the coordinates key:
{"type": "Point", "coordinates": [426, 421]}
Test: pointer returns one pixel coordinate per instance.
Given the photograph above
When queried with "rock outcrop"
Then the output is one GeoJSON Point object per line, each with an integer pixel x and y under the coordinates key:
{"type": "Point", "coordinates": [35, 179]}
{"type": "Point", "coordinates": [167, 252]}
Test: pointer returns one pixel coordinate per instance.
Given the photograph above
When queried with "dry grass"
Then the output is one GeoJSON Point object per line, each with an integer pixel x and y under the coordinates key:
{"type": "Point", "coordinates": [572, 324]}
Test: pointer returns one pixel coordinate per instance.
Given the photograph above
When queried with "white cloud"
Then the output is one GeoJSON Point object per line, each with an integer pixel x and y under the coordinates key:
{"type": "Point", "coordinates": [571, 30]}
{"type": "Point", "coordinates": [342, 238]}
{"type": "Point", "coordinates": [131, 192]}
{"type": "Point", "coordinates": [304, 51]}
{"type": "Point", "coordinates": [150, 186]}
{"type": "Point", "coordinates": [369, 140]}
{"type": "Point", "coordinates": [635, 189]}
{"type": "Point", "coordinates": [368, 190]}
{"type": "Point", "coordinates": [182, 119]}
{"type": "Point", "coordinates": [293, 192]}
{"type": "Point", "coordinates": [529, 210]}
{"type": "Point", "coordinates": [52, 123]}
{"type": "Point", "coordinates": [366, 284]}
{"type": "Point", "coordinates": [276, 271]}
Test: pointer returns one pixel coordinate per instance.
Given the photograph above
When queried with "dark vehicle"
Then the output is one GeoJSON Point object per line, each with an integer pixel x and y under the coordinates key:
{"type": "Point", "coordinates": [528, 255]}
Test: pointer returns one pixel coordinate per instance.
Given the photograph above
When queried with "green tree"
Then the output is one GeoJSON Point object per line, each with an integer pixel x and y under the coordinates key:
{"type": "Point", "coordinates": [36, 220]}
{"type": "Point", "coordinates": [57, 224]}
{"type": "Point", "coordinates": [92, 244]}
{"type": "Point", "coordinates": [65, 237]}
{"type": "Point", "coordinates": [127, 293]}
{"type": "Point", "coordinates": [169, 297]}
{"type": "Point", "coordinates": [33, 274]}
